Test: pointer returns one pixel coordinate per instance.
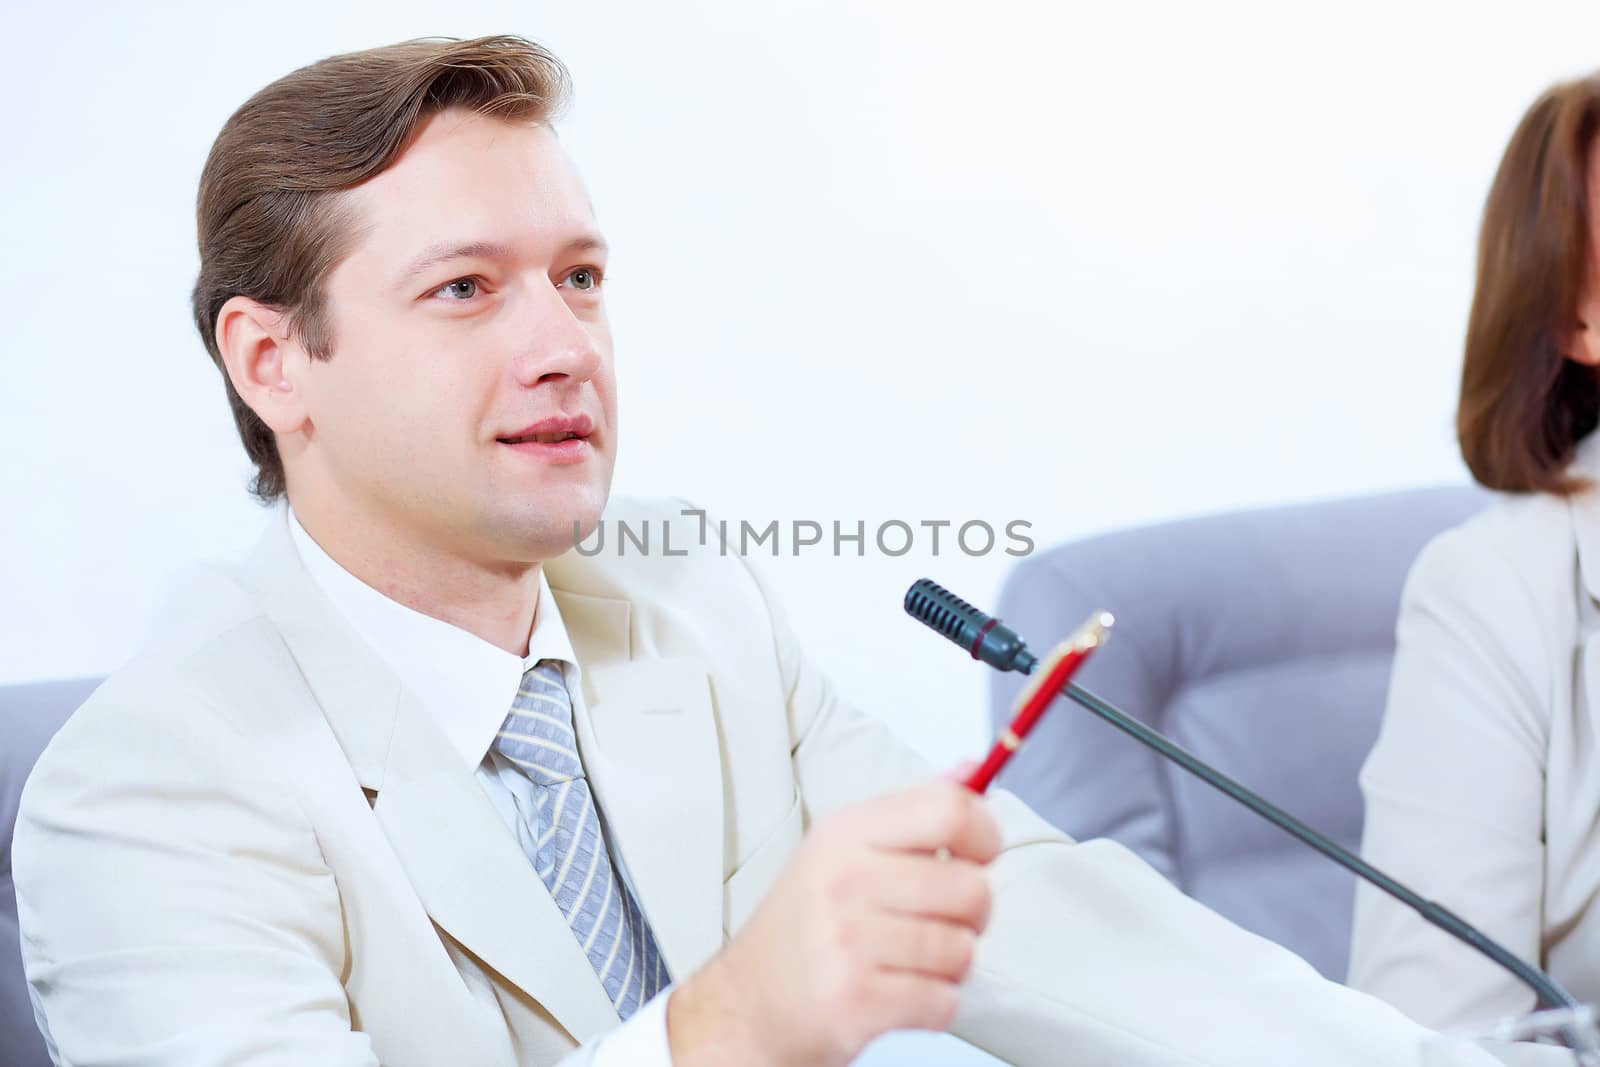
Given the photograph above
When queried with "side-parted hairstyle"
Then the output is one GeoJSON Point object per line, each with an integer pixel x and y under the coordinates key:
{"type": "Point", "coordinates": [1524, 405]}
{"type": "Point", "coordinates": [269, 220]}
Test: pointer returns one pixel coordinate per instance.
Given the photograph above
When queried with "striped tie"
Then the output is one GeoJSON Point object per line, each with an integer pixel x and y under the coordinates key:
{"type": "Point", "coordinates": [570, 853]}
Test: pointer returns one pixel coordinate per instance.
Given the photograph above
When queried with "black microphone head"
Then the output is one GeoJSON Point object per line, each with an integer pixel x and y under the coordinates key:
{"type": "Point", "coordinates": [938, 608]}
{"type": "Point", "coordinates": [983, 636]}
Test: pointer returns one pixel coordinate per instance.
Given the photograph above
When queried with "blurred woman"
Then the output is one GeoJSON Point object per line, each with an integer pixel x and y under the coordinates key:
{"type": "Point", "coordinates": [1483, 791]}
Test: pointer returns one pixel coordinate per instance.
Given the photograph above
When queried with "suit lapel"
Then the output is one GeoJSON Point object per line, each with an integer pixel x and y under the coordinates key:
{"type": "Point", "coordinates": [356, 690]}
{"type": "Point", "coordinates": [475, 880]}
{"type": "Point", "coordinates": [651, 750]}
{"type": "Point", "coordinates": [652, 754]}
{"type": "Point", "coordinates": [470, 874]}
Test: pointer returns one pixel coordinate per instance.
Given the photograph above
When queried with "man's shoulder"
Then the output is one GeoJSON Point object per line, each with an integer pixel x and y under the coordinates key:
{"type": "Point", "coordinates": [160, 707]}
{"type": "Point", "coordinates": [162, 699]}
{"type": "Point", "coordinates": [157, 733]}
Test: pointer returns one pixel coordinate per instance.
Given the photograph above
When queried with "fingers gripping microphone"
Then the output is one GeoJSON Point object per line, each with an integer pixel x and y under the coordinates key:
{"type": "Point", "coordinates": [986, 638]}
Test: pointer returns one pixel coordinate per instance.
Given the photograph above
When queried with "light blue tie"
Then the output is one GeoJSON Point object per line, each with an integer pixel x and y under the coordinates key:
{"type": "Point", "coordinates": [567, 848]}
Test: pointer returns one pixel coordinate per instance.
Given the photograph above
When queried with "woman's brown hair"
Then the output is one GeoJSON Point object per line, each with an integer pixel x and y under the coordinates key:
{"type": "Point", "coordinates": [269, 222]}
{"type": "Point", "coordinates": [1524, 405]}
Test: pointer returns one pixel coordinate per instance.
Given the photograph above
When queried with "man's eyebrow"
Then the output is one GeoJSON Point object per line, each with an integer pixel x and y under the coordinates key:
{"type": "Point", "coordinates": [589, 242]}
{"type": "Point", "coordinates": [445, 251]}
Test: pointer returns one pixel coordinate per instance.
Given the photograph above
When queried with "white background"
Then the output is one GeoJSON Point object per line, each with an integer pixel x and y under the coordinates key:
{"type": "Point", "coordinates": [1086, 265]}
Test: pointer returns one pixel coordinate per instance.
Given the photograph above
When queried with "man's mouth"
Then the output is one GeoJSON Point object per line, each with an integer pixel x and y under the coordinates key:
{"type": "Point", "coordinates": [541, 438]}
{"type": "Point", "coordinates": [551, 430]}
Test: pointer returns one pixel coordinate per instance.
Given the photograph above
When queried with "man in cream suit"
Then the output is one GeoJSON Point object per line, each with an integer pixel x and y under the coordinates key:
{"type": "Point", "coordinates": [417, 785]}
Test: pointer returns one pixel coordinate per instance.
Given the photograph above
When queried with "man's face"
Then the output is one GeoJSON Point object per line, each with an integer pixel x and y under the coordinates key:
{"type": "Point", "coordinates": [468, 316]}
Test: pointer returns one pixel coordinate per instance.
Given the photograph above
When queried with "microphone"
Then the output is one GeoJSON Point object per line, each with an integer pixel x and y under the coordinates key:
{"type": "Point", "coordinates": [984, 636]}
{"type": "Point", "coordinates": [948, 614]}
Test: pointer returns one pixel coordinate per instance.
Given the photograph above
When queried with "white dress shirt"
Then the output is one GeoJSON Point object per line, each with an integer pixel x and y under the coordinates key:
{"type": "Point", "coordinates": [468, 684]}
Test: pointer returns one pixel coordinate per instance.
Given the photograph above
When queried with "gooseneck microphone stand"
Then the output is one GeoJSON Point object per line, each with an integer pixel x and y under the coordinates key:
{"type": "Point", "coordinates": [988, 639]}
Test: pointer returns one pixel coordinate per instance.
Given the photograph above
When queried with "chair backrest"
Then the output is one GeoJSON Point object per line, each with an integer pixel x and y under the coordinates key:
{"type": "Point", "coordinates": [30, 715]}
{"type": "Point", "coordinates": [1261, 641]}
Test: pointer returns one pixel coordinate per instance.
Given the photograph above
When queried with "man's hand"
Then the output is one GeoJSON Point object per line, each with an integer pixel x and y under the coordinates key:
{"type": "Point", "coordinates": [866, 930]}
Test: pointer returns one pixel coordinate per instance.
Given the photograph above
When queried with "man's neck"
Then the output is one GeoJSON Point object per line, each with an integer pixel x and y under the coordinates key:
{"type": "Point", "coordinates": [496, 602]}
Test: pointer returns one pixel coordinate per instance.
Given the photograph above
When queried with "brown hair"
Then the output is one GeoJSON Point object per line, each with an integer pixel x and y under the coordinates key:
{"type": "Point", "coordinates": [269, 223]}
{"type": "Point", "coordinates": [1524, 405]}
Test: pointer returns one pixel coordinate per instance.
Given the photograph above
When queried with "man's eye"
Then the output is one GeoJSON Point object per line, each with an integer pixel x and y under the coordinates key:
{"type": "Point", "coordinates": [584, 278]}
{"type": "Point", "coordinates": [460, 289]}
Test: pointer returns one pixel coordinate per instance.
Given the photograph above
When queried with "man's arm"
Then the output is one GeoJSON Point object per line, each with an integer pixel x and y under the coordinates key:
{"type": "Point", "coordinates": [1089, 955]}
{"type": "Point", "coordinates": [174, 904]}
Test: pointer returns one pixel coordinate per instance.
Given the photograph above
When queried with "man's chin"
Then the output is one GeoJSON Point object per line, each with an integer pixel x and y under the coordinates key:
{"type": "Point", "coordinates": [546, 527]}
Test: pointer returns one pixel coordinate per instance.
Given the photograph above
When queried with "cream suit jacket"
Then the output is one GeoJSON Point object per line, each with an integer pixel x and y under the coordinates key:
{"type": "Point", "coordinates": [255, 848]}
{"type": "Point", "coordinates": [1483, 790]}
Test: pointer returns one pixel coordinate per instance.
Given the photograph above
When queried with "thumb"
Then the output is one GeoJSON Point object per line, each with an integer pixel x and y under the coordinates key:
{"type": "Point", "coordinates": [961, 771]}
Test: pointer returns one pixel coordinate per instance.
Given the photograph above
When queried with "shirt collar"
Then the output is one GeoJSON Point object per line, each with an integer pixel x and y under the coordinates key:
{"type": "Point", "coordinates": [465, 683]}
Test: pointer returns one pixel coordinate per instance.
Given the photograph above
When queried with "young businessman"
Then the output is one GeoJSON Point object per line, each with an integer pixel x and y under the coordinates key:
{"type": "Point", "coordinates": [418, 785]}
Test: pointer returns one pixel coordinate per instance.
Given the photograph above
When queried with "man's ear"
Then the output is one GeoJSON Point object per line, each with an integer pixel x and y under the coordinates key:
{"type": "Point", "coordinates": [262, 362]}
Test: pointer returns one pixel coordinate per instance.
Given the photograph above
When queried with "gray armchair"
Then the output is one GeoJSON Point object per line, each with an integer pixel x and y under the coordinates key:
{"type": "Point", "coordinates": [1260, 641]}
{"type": "Point", "coordinates": [30, 715]}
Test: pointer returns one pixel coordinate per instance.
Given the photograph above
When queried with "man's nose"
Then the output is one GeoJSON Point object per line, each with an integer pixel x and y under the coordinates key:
{"type": "Point", "coordinates": [553, 343]}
